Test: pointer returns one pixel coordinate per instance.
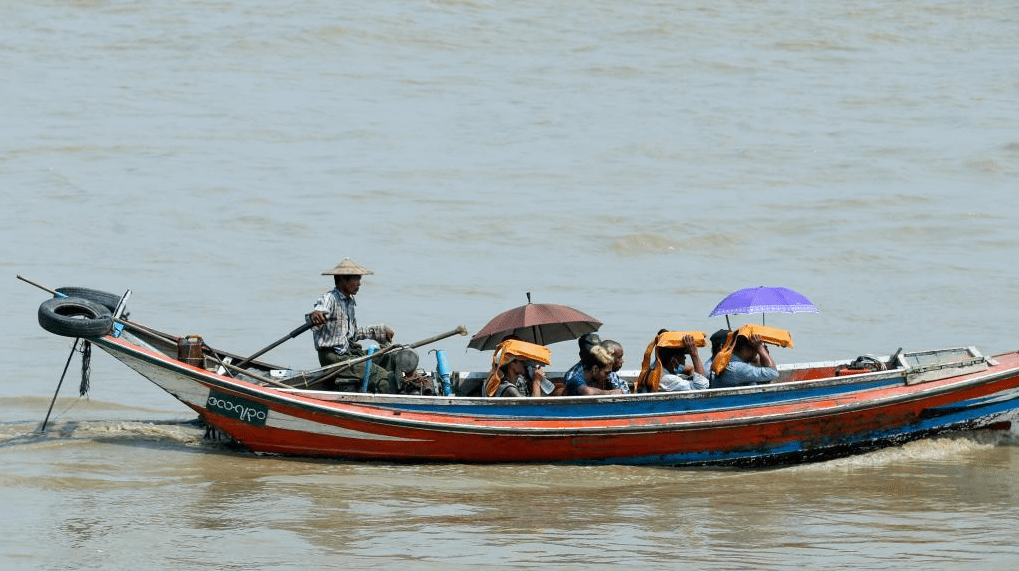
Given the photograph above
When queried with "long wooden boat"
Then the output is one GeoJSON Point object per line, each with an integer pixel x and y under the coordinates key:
{"type": "Point", "coordinates": [814, 411]}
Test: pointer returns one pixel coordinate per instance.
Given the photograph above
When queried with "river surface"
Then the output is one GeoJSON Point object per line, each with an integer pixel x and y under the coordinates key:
{"type": "Point", "coordinates": [635, 160]}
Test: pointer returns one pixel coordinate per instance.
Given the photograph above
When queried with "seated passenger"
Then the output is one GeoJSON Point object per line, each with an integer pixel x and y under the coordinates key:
{"type": "Point", "coordinates": [674, 361]}
{"type": "Point", "coordinates": [718, 339]}
{"type": "Point", "coordinates": [616, 350]}
{"type": "Point", "coordinates": [664, 367]}
{"type": "Point", "coordinates": [595, 377]}
{"type": "Point", "coordinates": [517, 370]}
{"type": "Point", "coordinates": [575, 374]}
{"type": "Point", "coordinates": [745, 360]}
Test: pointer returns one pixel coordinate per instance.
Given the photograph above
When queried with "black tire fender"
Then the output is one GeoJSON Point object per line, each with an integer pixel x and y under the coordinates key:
{"type": "Point", "coordinates": [105, 299]}
{"type": "Point", "coordinates": [75, 317]}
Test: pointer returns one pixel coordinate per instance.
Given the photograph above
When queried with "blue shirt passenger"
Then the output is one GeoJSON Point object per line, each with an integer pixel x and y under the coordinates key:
{"type": "Point", "coordinates": [594, 375]}
{"type": "Point", "coordinates": [573, 381]}
{"type": "Point", "coordinates": [739, 373]}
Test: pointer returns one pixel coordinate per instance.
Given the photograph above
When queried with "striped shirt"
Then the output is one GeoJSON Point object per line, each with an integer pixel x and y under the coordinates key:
{"type": "Point", "coordinates": [340, 332]}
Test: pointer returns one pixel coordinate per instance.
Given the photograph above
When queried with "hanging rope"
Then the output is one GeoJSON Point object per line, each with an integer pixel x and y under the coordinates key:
{"type": "Point", "coordinates": [86, 367]}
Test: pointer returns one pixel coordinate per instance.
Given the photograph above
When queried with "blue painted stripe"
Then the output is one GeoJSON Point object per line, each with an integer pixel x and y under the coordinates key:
{"type": "Point", "coordinates": [582, 409]}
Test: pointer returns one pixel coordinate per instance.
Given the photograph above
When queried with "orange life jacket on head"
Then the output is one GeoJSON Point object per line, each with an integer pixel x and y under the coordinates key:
{"type": "Point", "coordinates": [770, 335]}
{"type": "Point", "coordinates": [651, 373]}
{"type": "Point", "coordinates": [514, 349]}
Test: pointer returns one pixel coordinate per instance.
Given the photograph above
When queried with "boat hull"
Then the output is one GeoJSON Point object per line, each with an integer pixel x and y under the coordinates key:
{"type": "Point", "coordinates": [781, 423]}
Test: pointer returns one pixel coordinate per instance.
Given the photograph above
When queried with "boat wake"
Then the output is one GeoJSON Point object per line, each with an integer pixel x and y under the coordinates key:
{"type": "Point", "coordinates": [949, 449]}
{"type": "Point", "coordinates": [188, 433]}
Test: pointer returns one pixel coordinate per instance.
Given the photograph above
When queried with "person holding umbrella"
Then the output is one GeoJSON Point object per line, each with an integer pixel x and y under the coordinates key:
{"type": "Point", "coordinates": [517, 370]}
{"type": "Point", "coordinates": [336, 333]}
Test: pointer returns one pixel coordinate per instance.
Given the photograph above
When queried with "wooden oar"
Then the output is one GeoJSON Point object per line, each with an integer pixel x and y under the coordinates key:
{"type": "Point", "coordinates": [335, 368]}
{"type": "Point", "coordinates": [307, 325]}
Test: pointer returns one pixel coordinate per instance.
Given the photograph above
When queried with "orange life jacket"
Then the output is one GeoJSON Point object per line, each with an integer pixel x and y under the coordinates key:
{"type": "Point", "coordinates": [771, 335]}
{"type": "Point", "coordinates": [514, 349]}
{"type": "Point", "coordinates": [651, 373]}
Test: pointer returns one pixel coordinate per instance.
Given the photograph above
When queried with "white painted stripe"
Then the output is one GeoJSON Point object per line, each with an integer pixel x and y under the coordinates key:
{"type": "Point", "coordinates": [185, 389]}
{"type": "Point", "coordinates": [197, 394]}
{"type": "Point", "coordinates": [288, 422]}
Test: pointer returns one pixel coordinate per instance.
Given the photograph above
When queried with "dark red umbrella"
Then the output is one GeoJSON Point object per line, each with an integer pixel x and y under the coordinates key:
{"type": "Point", "coordinates": [541, 323]}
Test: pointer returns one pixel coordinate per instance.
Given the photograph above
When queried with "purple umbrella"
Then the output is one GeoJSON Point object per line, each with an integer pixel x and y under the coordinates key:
{"type": "Point", "coordinates": [762, 300]}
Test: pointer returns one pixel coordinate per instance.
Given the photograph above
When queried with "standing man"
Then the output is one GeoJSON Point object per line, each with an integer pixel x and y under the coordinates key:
{"type": "Point", "coordinates": [336, 333]}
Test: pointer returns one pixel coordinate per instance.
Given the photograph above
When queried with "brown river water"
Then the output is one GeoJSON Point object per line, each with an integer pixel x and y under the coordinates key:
{"type": "Point", "coordinates": [635, 160]}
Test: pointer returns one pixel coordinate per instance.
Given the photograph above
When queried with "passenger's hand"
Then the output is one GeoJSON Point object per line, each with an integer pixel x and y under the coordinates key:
{"type": "Point", "coordinates": [317, 317]}
{"type": "Point", "coordinates": [759, 345]}
{"type": "Point", "coordinates": [539, 373]}
{"type": "Point", "coordinates": [755, 341]}
{"type": "Point", "coordinates": [689, 343]}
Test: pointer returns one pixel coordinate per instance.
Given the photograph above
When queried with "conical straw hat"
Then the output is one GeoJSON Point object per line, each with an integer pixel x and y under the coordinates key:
{"type": "Point", "coordinates": [348, 267]}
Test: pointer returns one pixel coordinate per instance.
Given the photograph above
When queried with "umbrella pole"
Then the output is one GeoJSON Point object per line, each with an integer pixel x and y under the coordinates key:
{"type": "Point", "coordinates": [727, 324]}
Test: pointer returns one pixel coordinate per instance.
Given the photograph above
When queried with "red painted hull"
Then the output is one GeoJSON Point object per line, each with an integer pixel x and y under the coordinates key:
{"type": "Point", "coordinates": [788, 422]}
